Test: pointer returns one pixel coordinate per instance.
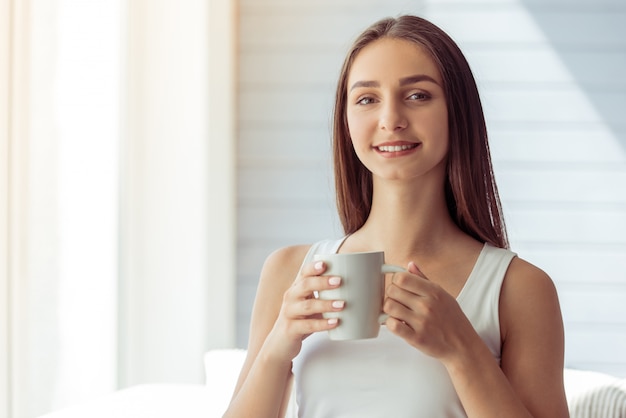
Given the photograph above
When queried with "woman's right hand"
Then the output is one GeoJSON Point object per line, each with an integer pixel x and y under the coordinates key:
{"type": "Point", "coordinates": [301, 312]}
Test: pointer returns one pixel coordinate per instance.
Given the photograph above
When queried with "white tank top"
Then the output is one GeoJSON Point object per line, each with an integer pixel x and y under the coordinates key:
{"type": "Point", "coordinates": [386, 377]}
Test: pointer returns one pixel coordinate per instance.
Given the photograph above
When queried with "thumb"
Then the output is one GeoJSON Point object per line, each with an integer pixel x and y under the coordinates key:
{"type": "Point", "coordinates": [415, 270]}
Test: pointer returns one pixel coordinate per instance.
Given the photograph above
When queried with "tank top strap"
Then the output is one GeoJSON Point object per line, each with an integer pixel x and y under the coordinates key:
{"type": "Point", "coordinates": [480, 297]}
{"type": "Point", "coordinates": [488, 272]}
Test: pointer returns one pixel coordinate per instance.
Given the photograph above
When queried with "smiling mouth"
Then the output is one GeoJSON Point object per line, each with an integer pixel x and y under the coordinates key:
{"type": "Point", "coordinates": [395, 148]}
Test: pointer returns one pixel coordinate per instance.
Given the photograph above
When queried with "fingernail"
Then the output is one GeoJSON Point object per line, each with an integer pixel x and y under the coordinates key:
{"type": "Point", "coordinates": [338, 304]}
{"type": "Point", "coordinates": [334, 281]}
{"type": "Point", "coordinates": [319, 266]}
{"type": "Point", "coordinates": [332, 321]}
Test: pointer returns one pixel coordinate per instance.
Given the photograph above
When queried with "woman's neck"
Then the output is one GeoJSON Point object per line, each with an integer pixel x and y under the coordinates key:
{"type": "Point", "coordinates": [408, 219]}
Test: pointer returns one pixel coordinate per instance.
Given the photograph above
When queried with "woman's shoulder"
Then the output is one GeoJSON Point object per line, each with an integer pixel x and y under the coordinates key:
{"type": "Point", "coordinates": [292, 257]}
{"type": "Point", "coordinates": [523, 276]}
{"type": "Point", "coordinates": [288, 258]}
{"type": "Point", "coordinates": [283, 264]}
{"type": "Point", "coordinates": [527, 292]}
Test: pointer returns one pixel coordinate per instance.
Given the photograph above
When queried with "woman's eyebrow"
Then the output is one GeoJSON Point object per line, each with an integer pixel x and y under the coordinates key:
{"type": "Point", "coordinates": [413, 79]}
{"type": "Point", "coordinates": [365, 84]}
{"type": "Point", "coordinates": [416, 79]}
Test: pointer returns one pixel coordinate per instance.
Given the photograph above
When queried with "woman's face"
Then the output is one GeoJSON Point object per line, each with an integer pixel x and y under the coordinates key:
{"type": "Point", "coordinates": [396, 111]}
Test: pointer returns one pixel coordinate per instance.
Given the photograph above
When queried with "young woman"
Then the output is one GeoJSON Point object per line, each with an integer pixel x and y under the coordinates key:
{"type": "Point", "coordinates": [473, 330]}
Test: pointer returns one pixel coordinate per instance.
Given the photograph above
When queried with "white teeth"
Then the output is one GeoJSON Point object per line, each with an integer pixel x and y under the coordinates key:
{"type": "Point", "coordinates": [395, 148]}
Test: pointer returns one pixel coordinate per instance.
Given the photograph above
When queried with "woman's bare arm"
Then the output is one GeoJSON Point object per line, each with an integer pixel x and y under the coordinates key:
{"type": "Point", "coordinates": [529, 382]}
{"type": "Point", "coordinates": [261, 389]}
{"type": "Point", "coordinates": [284, 313]}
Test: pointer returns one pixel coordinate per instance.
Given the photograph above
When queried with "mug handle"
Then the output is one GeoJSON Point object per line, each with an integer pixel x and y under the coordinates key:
{"type": "Point", "coordinates": [389, 268]}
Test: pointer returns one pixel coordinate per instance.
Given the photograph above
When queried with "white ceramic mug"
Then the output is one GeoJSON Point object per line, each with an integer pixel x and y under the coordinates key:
{"type": "Point", "coordinates": [362, 288]}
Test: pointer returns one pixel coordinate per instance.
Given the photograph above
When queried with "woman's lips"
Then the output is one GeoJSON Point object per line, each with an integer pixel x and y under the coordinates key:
{"type": "Point", "coordinates": [397, 149]}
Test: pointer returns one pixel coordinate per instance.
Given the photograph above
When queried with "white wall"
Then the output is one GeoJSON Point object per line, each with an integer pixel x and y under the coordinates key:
{"type": "Point", "coordinates": [163, 282]}
{"type": "Point", "coordinates": [177, 212]}
{"type": "Point", "coordinates": [551, 78]}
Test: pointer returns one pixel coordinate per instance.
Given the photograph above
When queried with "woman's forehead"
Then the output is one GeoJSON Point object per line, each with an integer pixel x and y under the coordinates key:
{"type": "Point", "coordinates": [390, 59]}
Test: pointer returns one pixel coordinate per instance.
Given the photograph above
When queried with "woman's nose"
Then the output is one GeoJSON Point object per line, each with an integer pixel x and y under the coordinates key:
{"type": "Point", "coordinates": [392, 118]}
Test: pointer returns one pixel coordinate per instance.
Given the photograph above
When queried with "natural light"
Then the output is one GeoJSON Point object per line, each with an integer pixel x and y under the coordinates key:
{"type": "Point", "coordinates": [87, 92]}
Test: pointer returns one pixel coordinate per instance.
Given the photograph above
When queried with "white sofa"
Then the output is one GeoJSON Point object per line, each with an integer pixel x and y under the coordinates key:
{"type": "Point", "coordinates": [589, 394]}
{"type": "Point", "coordinates": [168, 400]}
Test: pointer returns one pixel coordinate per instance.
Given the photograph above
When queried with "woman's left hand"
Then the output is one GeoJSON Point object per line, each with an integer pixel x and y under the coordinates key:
{"type": "Point", "coordinates": [425, 315]}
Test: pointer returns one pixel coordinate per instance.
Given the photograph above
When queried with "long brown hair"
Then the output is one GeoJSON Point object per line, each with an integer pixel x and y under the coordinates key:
{"type": "Point", "coordinates": [471, 191]}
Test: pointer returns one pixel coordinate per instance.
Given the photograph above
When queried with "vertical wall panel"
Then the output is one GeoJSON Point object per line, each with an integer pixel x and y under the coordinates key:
{"type": "Point", "coordinates": [165, 275]}
{"type": "Point", "coordinates": [5, 36]}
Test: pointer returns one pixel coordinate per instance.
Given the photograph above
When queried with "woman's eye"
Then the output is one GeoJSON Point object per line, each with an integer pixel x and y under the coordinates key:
{"type": "Point", "coordinates": [365, 101]}
{"type": "Point", "coordinates": [418, 96]}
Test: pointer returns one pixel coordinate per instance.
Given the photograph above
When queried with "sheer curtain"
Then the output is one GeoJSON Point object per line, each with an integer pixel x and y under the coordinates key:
{"type": "Point", "coordinates": [61, 201]}
{"type": "Point", "coordinates": [4, 205]}
{"type": "Point", "coordinates": [116, 229]}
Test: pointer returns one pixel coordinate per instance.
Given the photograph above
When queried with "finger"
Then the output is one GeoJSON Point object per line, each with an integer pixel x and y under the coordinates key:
{"type": "Point", "coordinates": [315, 268]}
{"type": "Point", "coordinates": [310, 307]}
{"type": "Point", "coordinates": [415, 270]}
{"type": "Point", "coordinates": [413, 283]}
{"type": "Point", "coordinates": [309, 326]}
{"type": "Point", "coordinates": [398, 309]}
{"type": "Point", "coordinates": [399, 327]}
{"type": "Point", "coordinates": [307, 285]}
